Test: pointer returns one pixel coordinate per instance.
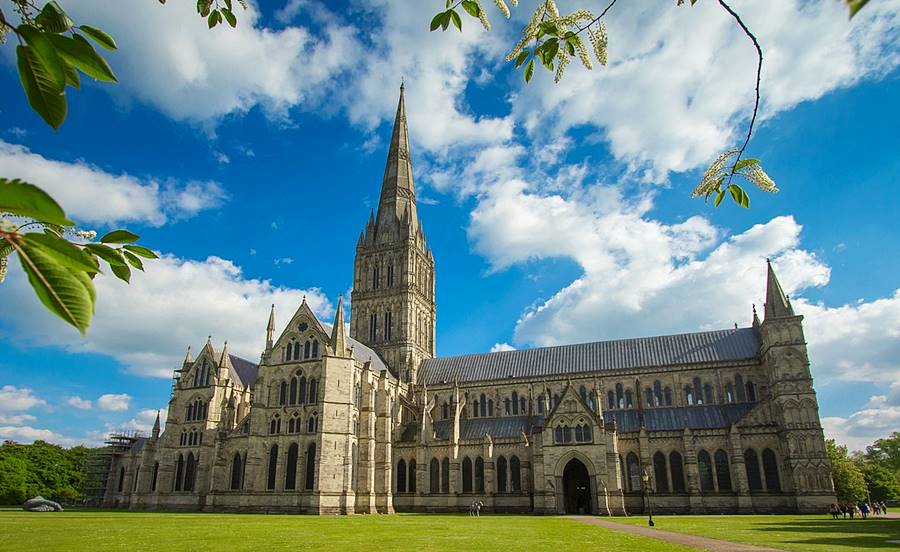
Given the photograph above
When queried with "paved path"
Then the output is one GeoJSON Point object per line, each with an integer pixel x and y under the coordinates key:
{"type": "Point", "coordinates": [693, 541]}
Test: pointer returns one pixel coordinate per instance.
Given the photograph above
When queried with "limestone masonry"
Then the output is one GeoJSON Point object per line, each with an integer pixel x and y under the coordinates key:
{"type": "Point", "coordinates": [328, 423]}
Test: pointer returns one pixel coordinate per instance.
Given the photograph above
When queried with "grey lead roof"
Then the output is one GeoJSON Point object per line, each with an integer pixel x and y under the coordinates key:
{"type": "Point", "coordinates": [361, 352]}
{"type": "Point", "coordinates": [713, 416]}
{"type": "Point", "coordinates": [691, 348]}
{"type": "Point", "coordinates": [498, 428]}
{"type": "Point", "coordinates": [245, 370]}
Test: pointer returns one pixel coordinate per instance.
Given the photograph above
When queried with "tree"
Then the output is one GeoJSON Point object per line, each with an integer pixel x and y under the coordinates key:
{"type": "Point", "coordinates": [60, 260]}
{"type": "Point", "coordinates": [882, 483]}
{"type": "Point", "coordinates": [886, 452]}
{"type": "Point", "coordinates": [41, 469]}
{"type": "Point", "coordinates": [553, 39]}
{"type": "Point", "coordinates": [849, 482]}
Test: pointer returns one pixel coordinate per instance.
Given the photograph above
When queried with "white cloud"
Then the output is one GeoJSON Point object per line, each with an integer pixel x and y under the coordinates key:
{"type": "Point", "coordinates": [190, 72]}
{"type": "Point", "coordinates": [14, 398]}
{"type": "Point", "coordinates": [283, 261]}
{"type": "Point", "coordinates": [502, 347]}
{"type": "Point", "coordinates": [77, 185]}
{"type": "Point", "coordinates": [679, 87]}
{"type": "Point", "coordinates": [112, 402]}
{"type": "Point", "coordinates": [144, 419]}
{"type": "Point", "coordinates": [148, 324]}
{"type": "Point", "coordinates": [28, 434]}
{"type": "Point", "coordinates": [878, 418]}
{"type": "Point", "coordinates": [222, 158]}
{"type": "Point", "coordinates": [79, 403]}
{"type": "Point", "coordinates": [16, 419]}
{"type": "Point", "coordinates": [436, 67]}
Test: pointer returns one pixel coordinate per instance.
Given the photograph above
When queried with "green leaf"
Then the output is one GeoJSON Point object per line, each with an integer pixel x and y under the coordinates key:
{"type": "Point", "coordinates": [523, 55]}
{"type": "Point", "coordinates": [72, 78]}
{"type": "Point", "coordinates": [79, 52]}
{"type": "Point", "coordinates": [457, 20]}
{"type": "Point", "coordinates": [43, 76]}
{"type": "Point", "coordinates": [739, 195]}
{"type": "Point", "coordinates": [119, 236]}
{"type": "Point", "coordinates": [63, 252]}
{"type": "Point", "coordinates": [436, 21]}
{"type": "Point", "coordinates": [133, 260]}
{"type": "Point", "coordinates": [108, 254]}
{"type": "Point", "coordinates": [66, 293]}
{"type": "Point", "coordinates": [719, 197]}
{"type": "Point", "coordinates": [99, 37]}
{"type": "Point", "coordinates": [214, 18]}
{"type": "Point", "coordinates": [142, 251]}
{"type": "Point", "coordinates": [855, 6]}
{"type": "Point", "coordinates": [228, 4]}
{"type": "Point", "coordinates": [122, 272]}
{"type": "Point", "coordinates": [745, 163]}
{"type": "Point", "coordinates": [529, 70]}
{"type": "Point", "coordinates": [549, 28]}
{"type": "Point", "coordinates": [445, 20]}
{"type": "Point", "coordinates": [570, 48]}
{"type": "Point", "coordinates": [27, 200]}
{"type": "Point", "coordinates": [471, 7]}
{"type": "Point", "coordinates": [203, 7]}
{"type": "Point", "coordinates": [551, 48]}
{"type": "Point", "coordinates": [229, 16]}
{"type": "Point", "coordinates": [53, 19]}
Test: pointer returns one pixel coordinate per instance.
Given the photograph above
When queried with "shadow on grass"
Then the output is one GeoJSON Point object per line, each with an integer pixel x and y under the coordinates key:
{"type": "Point", "coordinates": [870, 533]}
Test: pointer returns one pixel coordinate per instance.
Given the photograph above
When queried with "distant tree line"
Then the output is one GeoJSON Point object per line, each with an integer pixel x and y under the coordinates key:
{"type": "Point", "coordinates": [871, 475]}
{"type": "Point", "coordinates": [41, 469]}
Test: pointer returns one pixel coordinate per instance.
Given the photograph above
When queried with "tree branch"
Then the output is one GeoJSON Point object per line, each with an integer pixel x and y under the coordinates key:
{"type": "Point", "coordinates": [758, 79]}
{"type": "Point", "coordinates": [598, 18]}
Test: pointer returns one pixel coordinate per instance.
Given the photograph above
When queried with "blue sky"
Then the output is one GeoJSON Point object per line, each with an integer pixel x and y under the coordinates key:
{"type": "Point", "coordinates": [557, 212]}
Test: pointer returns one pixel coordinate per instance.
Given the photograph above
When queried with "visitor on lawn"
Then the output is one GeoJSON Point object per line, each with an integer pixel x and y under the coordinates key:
{"type": "Point", "coordinates": [834, 510]}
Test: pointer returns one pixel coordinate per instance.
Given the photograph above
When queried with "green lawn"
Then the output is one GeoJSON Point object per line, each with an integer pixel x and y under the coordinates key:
{"type": "Point", "coordinates": [122, 530]}
{"type": "Point", "coordinates": [792, 532]}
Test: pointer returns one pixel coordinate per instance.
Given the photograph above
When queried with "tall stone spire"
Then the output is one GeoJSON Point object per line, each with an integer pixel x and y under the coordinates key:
{"type": "Point", "coordinates": [398, 192]}
{"type": "Point", "coordinates": [270, 329]}
{"type": "Point", "coordinates": [338, 336]}
{"type": "Point", "coordinates": [155, 433]}
{"type": "Point", "coordinates": [777, 303]}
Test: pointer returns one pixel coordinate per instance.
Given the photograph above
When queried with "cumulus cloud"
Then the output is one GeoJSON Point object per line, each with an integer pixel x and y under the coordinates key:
{"type": "Point", "coordinates": [14, 398]}
{"type": "Point", "coordinates": [77, 185]}
{"type": "Point", "coordinates": [502, 347]}
{"type": "Point", "coordinates": [143, 420]}
{"type": "Point", "coordinates": [16, 419]}
{"type": "Point", "coordinates": [79, 403]}
{"type": "Point", "coordinates": [148, 324]}
{"type": "Point", "coordinates": [878, 418]}
{"type": "Point", "coordinates": [169, 59]}
{"type": "Point", "coordinates": [28, 434]}
{"type": "Point", "coordinates": [679, 86]}
{"type": "Point", "coordinates": [112, 402]}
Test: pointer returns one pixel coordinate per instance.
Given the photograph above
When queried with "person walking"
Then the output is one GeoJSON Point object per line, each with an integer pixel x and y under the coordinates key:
{"type": "Point", "coordinates": [864, 510]}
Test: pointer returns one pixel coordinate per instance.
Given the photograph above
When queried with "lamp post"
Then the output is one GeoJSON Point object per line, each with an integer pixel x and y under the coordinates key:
{"type": "Point", "coordinates": [645, 477]}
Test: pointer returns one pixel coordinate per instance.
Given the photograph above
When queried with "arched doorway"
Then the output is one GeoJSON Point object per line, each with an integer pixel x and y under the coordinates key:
{"type": "Point", "coordinates": [576, 488]}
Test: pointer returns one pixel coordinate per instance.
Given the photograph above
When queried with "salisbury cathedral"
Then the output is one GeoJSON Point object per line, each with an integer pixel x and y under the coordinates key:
{"type": "Point", "coordinates": [366, 420]}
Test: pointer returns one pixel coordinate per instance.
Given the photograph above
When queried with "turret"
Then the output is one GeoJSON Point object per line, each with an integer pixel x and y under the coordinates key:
{"type": "Point", "coordinates": [338, 337]}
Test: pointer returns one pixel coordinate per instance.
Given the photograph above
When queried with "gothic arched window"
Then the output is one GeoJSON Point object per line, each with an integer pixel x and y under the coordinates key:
{"type": "Point", "coordinates": [659, 470]}
{"type": "Point", "coordinates": [507, 407]}
{"type": "Point", "coordinates": [689, 395]}
{"type": "Point", "coordinates": [313, 390]}
{"type": "Point", "coordinates": [312, 425]}
{"type": "Point", "coordinates": [770, 469]}
{"type": "Point", "coordinates": [483, 405]}
{"type": "Point", "coordinates": [467, 475]}
{"type": "Point", "coordinates": [315, 348]}
{"type": "Point", "coordinates": [121, 478]}
{"type": "Point", "coordinates": [620, 396]}
{"type": "Point", "coordinates": [708, 394]}
{"type": "Point", "coordinates": [412, 476]}
{"type": "Point", "coordinates": [501, 474]}
{"type": "Point", "coordinates": [475, 409]}
{"type": "Point", "coordinates": [657, 393]}
{"type": "Point", "coordinates": [667, 395]}
{"type": "Point", "coordinates": [290, 474]}
{"type": "Point", "coordinates": [515, 474]}
{"type": "Point", "coordinates": [704, 466]}
{"type": "Point", "coordinates": [479, 475]}
{"type": "Point", "coordinates": [729, 393]}
{"type": "Point", "coordinates": [401, 476]}
{"type": "Point", "coordinates": [523, 404]}
{"type": "Point", "coordinates": [190, 470]}
{"type": "Point", "coordinates": [698, 391]}
{"type": "Point", "coordinates": [629, 399]}
{"type": "Point", "coordinates": [273, 466]}
{"type": "Point", "coordinates": [610, 400]}
{"type": "Point", "coordinates": [751, 462]}
{"type": "Point", "coordinates": [292, 394]}
{"type": "Point", "coordinates": [582, 392]}
{"type": "Point", "coordinates": [236, 472]}
{"type": "Point", "coordinates": [751, 391]}
{"type": "Point", "coordinates": [739, 388]}
{"type": "Point", "coordinates": [301, 390]}
{"type": "Point", "coordinates": [445, 475]}
{"type": "Point", "coordinates": [179, 472]}
{"type": "Point", "coordinates": [282, 393]}
{"type": "Point", "coordinates": [490, 407]}
{"type": "Point", "coordinates": [676, 466]}
{"type": "Point", "coordinates": [155, 476]}
{"type": "Point", "coordinates": [648, 397]}
{"type": "Point", "coordinates": [310, 466]}
{"type": "Point", "coordinates": [723, 471]}
{"type": "Point", "coordinates": [634, 472]}
{"type": "Point", "coordinates": [434, 476]}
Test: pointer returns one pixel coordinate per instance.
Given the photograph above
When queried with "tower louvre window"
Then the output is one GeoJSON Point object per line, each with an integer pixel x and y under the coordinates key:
{"type": "Point", "coordinates": [390, 276]}
{"type": "Point", "coordinates": [387, 326]}
{"type": "Point", "coordinates": [373, 326]}
{"type": "Point", "coordinates": [375, 278]}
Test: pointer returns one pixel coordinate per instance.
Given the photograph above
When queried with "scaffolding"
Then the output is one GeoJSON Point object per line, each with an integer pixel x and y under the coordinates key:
{"type": "Point", "coordinates": [99, 464]}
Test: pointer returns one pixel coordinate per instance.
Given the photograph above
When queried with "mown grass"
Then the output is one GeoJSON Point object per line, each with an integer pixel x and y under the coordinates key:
{"type": "Point", "coordinates": [788, 532]}
{"type": "Point", "coordinates": [123, 530]}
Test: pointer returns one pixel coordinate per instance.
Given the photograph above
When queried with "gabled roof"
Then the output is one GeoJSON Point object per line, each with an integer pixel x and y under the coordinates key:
{"type": "Point", "coordinates": [712, 416]}
{"type": "Point", "coordinates": [245, 370]}
{"type": "Point", "coordinates": [646, 352]}
{"type": "Point", "coordinates": [361, 352]}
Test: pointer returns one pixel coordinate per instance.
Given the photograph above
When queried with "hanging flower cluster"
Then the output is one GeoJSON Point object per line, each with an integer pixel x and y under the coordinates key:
{"type": "Point", "coordinates": [718, 179]}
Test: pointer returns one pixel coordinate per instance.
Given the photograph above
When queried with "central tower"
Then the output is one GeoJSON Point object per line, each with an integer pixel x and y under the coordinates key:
{"type": "Point", "coordinates": [393, 308]}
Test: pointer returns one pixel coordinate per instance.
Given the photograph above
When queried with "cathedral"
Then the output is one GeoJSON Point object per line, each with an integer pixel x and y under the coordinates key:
{"type": "Point", "coordinates": [334, 420]}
